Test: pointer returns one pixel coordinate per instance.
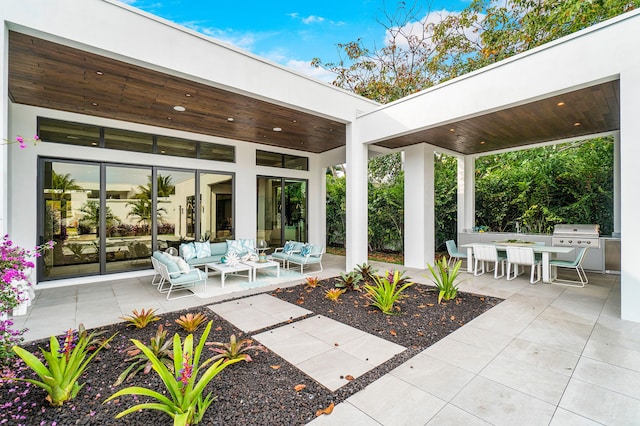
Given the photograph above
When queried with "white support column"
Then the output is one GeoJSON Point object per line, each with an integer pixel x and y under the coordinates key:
{"type": "Point", "coordinates": [4, 127]}
{"type": "Point", "coordinates": [630, 205]}
{"type": "Point", "coordinates": [419, 218]}
{"type": "Point", "coordinates": [357, 200]}
{"type": "Point", "coordinates": [317, 203]}
{"type": "Point", "coordinates": [617, 192]}
{"type": "Point", "coordinates": [246, 221]}
{"type": "Point", "coordinates": [466, 193]}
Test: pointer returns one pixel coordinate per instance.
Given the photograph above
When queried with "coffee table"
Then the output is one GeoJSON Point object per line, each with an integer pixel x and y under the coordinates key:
{"type": "Point", "coordinates": [261, 265]}
{"type": "Point", "coordinates": [225, 270]}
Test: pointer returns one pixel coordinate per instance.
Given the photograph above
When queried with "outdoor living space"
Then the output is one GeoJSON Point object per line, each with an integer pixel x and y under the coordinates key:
{"type": "Point", "coordinates": [548, 354]}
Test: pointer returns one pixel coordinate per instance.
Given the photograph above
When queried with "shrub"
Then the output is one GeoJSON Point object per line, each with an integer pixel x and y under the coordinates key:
{"type": "Point", "coordinates": [444, 278]}
{"type": "Point", "coordinates": [235, 349]}
{"type": "Point", "coordinates": [387, 291]}
{"type": "Point", "coordinates": [9, 337]}
{"type": "Point", "coordinates": [366, 271]}
{"type": "Point", "coordinates": [334, 294]}
{"type": "Point", "coordinates": [350, 281]}
{"type": "Point", "coordinates": [312, 282]}
{"type": "Point", "coordinates": [141, 319]}
{"type": "Point", "coordinates": [183, 399]}
{"type": "Point", "coordinates": [64, 364]}
{"type": "Point", "coordinates": [160, 347]}
{"type": "Point", "coordinates": [190, 322]}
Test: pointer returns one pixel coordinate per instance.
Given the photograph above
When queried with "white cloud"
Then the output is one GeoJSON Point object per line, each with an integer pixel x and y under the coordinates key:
{"type": "Point", "coordinates": [312, 19]}
{"type": "Point", "coordinates": [304, 67]}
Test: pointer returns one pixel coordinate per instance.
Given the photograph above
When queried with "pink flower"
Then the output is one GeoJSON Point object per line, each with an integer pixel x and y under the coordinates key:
{"type": "Point", "coordinates": [20, 139]}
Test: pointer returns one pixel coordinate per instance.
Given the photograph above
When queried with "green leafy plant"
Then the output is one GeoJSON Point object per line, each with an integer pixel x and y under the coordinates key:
{"type": "Point", "coordinates": [190, 322]}
{"type": "Point", "coordinates": [235, 349]}
{"type": "Point", "coordinates": [350, 281]}
{"type": "Point", "coordinates": [183, 401]}
{"type": "Point", "coordinates": [141, 319]}
{"type": "Point", "coordinates": [64, 364]}
{"type": "Point", "coordinates": [398, 277]}
{"type": "Point", "coordinates": [312, 282]}
{"type": "Point", "coordinates": [386, 291]}
{"type": "Point", "coordinates": [444, 278]}
{"type": "Point", "coordinates": [334, 294]}
{"type": "Point", "coordinates": [366, 271]}
{"type": "Point", "coordinates": [160, 347]}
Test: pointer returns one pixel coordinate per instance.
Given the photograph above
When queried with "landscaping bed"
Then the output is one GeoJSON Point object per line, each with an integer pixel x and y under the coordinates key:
{"type": "Point", "coordinates": [258, 392]}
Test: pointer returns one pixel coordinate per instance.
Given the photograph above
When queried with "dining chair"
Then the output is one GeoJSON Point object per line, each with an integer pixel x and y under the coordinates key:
{"type": "Point", "coordinates": [487, 253]}
{"type": "Point", "coordinates": [454, 253]}
{"type": "Point", "coordinates": [523, 256]}
{"type": "Point", "coordinates": [575, 264]}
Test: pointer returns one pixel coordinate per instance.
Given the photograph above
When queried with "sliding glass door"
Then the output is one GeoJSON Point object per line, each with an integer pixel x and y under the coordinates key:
{"type": "Point", "coordinates": [107, 218]}
{"type": "Point", "coordinates": [282, 210]}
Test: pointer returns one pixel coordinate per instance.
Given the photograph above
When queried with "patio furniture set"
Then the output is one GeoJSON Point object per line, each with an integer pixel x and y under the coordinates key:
{"type": "Point", "coordinates": [178, 270]}
{"type": "Point", "coordinates": [492, 257]}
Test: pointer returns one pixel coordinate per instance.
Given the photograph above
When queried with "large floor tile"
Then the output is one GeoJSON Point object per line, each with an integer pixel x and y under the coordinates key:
{"type": "Point", "coordinates": [563, 417]}
{"type": "Point", "coordinates": [508, 318]}
{"type": "Point", "coordinates": [502, 405]}
{"type": "Point", "coordinates": [491, 341]}
{"type": "Point", "coordinates": [600, 405]}
{"type": "Point", "coordinates": [333, 367]}
{"type": "Point", "coordinates": [535, 381]}
{"type": "Point", "coordinates": [612, 354]}
{"type": "Point", "coordinates": [371, 349]}
{"type": "Point", "coordinates": [344, 414]}
{"type": "Point", "coordinates": [543, 357]}
{"type": "Point", "coordinates": [467, 357]}
{"type": "Point", "coordinates": [558, 333]}
{"type": "Point", "coordinates": [434, 376]}
{"type": "Point", "coordinates": [453, 416]}
{"type": "Point", "coordinates": [391, 401]}
{"type": "Point", "coordinates": [612, 377]}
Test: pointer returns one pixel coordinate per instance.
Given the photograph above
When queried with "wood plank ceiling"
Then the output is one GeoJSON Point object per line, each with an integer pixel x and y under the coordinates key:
{"type": "Point", "coordinates": [51, 75]}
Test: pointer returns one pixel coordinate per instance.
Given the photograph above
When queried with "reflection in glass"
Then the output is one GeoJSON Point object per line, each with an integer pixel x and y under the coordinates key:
{"type": "Point", "coordinates": [71, 219]}
{"type": "Point", "coordinates": [176, 207]}
{"type": "Point", "coordinates": [282, 202]}
{"type": "Point", "coordinates": [269, 217]}
{"type": "Point", "coordinates": [128, 216]}
{"type": "Point", "coordinates": [295, 206]}
{"type": "Point", "coordinates": [216, 219]}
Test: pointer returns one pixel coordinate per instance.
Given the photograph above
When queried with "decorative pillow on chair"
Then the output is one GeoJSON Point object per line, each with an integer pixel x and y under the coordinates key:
{"type": "Point", "coordinates": [188, 251]}
{"type": "Point", "coordinates": [247, 246]}
{"type": "Point", "coordinates": [202, 249]}
{"type": "Point", "coordinates": [306, 250]}
{"type": "Point", "coordinates": [288, 246]}
{"type": "Point", "coordinates": [182, 264]}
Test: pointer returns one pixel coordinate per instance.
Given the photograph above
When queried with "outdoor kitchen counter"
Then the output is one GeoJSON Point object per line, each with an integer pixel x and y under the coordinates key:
{"type": "Point", "coordinates": [547, 252]}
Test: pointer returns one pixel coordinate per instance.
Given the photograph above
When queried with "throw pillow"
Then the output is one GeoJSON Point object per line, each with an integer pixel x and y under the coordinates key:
{"type": "Point", "coordinates": [234, 246]}
{"type": "Point", "coordinates": [248, 246]}
{"type": "Point", "coordinates": [188, 251]}
{"type": "Point", "coordinates": [202, 249]}
{"type": "Point", "coordinates": [288, 247]}
{"type": "Point", "coordinates": [306, 250]}
{"type": "Point", "coordinates": [182, 264]}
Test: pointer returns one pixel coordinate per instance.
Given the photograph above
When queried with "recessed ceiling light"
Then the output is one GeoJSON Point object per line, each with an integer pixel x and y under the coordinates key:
{"type": "Point", "coordinates": [294, 121]}
{"type": "Point", "coordinates": [179, 108]}
{"type": "Point", "coordinates": [482, 142]}
{"type": "Point", "coordinates": [452, 130]}
{"type": "Point", "coordinates": [169, 118]}
{"type": "Point", "coordinates": [188, 95]}
{"type": "Point", "coordinates": [99, 73]}
{"type": "Point", "coordinates": [162, 152]}
{"type": "Point", "coordinates": [230, 119]}
{"type": "Point", "coordinates": [94, 143]}
{"type": "Point", "coordinates": [94, 103]}
{"type": "Point", "coordinates": [576, 124]}
{"type": "Point", "coordinates": [277, 129]}
{"type": "Point", "coordinates": [560, 104]}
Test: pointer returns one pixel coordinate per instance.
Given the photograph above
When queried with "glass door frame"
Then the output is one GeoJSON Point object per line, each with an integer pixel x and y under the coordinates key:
{"type": "Point", "coordinates": [283, 218]}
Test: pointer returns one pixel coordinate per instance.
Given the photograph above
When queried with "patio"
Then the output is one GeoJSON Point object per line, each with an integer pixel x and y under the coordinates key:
{"type": "Point", "coordinates": [547, 355]}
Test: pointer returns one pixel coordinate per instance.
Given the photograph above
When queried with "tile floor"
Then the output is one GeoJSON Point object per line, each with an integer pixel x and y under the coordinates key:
{"type": "Point", "coordinates": [548, 354]}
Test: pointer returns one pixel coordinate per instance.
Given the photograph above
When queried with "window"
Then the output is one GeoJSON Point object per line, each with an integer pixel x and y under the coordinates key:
{"type": "Point", "coordinates": [66, 132]}
{"type": "Point", "coordinates": [285, 161]}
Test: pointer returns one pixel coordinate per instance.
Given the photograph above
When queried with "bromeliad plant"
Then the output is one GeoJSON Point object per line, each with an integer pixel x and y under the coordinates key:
{"type": "Point", "coordinates": [141, 319]}
{"type": "Point", "coordinates": [190, 322]}
{"type": "Point", "coordinates": [235, 349]}
{"type": "Point", "coordinates": [64, 363]}
{"type": "Point", "coordinates": [387, 290]}
{"type": "Point", "coordinates": [334, 294]}
{"type": "Point", "coordinates": [311, 282]}
{"type": "Point", "coordinates": [183, 401]}
{"type": "Point", "coordinates": [366, 271]}
{"type": "Point", "coordinates": [350, 281]}
{"type": "Point", "coordinates": [160, 347]}
{"type": "Point", "coordinates": [444, 278]}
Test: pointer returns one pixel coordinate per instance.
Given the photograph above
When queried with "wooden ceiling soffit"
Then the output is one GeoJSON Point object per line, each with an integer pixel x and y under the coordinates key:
{"type": "Point", "coordinates": [51, 75]}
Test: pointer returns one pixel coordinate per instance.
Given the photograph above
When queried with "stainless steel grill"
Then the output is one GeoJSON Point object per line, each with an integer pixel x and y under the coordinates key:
{"type": "Point", "coordinates": [576, 236]}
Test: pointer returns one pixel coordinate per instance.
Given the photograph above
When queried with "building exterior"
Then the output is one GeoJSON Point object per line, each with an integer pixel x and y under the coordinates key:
{"type": "Point", "coordinates": [153, 133]}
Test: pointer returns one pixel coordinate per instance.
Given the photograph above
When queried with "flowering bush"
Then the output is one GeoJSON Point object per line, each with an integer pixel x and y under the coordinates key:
{"type": "Point", "coordinates": [23, 142]}
{"type": "Point", "coordinates": [14, 265]}
{"type": "Point", "coordinates": [8, 338]}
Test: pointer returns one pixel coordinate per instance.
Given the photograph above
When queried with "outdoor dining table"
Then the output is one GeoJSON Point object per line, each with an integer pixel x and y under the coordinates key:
{"type": "Point", "coordinates": [546, 251]}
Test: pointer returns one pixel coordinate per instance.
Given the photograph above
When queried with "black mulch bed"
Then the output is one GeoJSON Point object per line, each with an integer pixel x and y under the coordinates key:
{"type": "Point", "coordinates": [252, 393]}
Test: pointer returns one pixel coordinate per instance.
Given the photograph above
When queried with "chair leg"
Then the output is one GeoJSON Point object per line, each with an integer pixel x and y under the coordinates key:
{"type": "Point", "coordinates": [496, 266]}
{"type": "Point", "coordinates": [532, 280]}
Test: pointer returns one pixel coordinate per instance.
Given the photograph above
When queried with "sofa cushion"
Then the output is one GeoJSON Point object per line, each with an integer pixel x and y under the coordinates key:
{"type": "Point", "coordinates": [203, 249]}
{"type": "Point", "coordinates": [234, 246]}
{"type": "Point", "coordinates": [187, 251]}
{"type": "Point", "coordinates": [171, 264]}
{"type": "Point", "coordinates": [306, 250]}
{"type": "Point", "coordinates": [182, 264]}
{"type": "Point", "coordinates": [218, 249]}
{"type": "Point", "coordinates": [197, 261]}
{"type": "Point", "coordinates": [194, 275]}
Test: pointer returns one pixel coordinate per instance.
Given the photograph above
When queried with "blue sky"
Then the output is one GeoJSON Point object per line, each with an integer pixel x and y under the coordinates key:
{"type": "Point", "coordinates": [288, 32]}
